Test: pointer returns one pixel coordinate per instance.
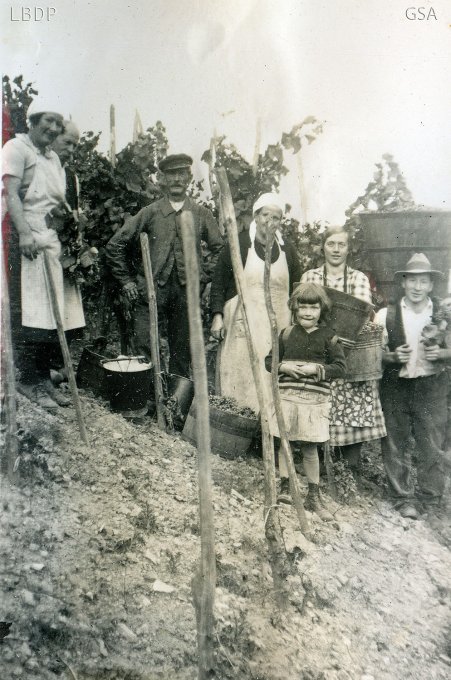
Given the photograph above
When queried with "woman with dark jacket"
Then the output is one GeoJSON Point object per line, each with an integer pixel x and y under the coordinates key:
{"type": "Point", "coordinates": [234, 372]}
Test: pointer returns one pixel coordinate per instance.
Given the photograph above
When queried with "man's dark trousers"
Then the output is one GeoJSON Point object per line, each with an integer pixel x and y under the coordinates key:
{"type": "Point", "coordinates": [172, 320]}
{"type": "Point", "coordinates": [418, 407]}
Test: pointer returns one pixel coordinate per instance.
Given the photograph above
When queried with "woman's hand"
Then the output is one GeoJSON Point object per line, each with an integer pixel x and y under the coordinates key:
{"type": "Point", "coordinates": [217, 327]}
{"type": "Point", "coordinates": [28, 246]}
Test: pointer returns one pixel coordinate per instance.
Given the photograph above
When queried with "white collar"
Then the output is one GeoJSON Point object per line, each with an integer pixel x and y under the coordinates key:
{"type": "Point", "coordinates": [427, 308]}
{"type": "Point", "coordinates": [23, 137]}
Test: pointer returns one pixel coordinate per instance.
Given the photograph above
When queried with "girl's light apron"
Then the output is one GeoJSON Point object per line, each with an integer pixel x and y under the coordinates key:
{"type": "Point", "coordinates": [235, 372]}
{"type": "Point", "coordinates": [47, 190]}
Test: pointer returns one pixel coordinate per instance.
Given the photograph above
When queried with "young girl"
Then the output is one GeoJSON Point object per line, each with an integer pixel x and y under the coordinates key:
{"type": "Point", "coordinates": [310, 355]}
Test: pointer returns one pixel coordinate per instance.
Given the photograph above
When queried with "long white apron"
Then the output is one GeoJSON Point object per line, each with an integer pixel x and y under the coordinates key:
{"type": "Point", "coordinates": [235, 372]}
{"type": "Point", "coordinates": [46, 190]}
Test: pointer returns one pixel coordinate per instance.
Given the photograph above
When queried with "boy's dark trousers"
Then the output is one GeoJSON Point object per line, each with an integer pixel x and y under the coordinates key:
{"type": "Point", "coordinates": [418, 407]}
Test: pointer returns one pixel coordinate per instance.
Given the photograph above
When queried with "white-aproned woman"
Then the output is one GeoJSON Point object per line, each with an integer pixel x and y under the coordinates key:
{"type": "Point", "coordinates": [235, 374]}
{"type": "Point", "coordinates": [35, 184]}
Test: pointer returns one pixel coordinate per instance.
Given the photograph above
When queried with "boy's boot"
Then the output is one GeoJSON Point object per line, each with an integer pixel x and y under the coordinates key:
{"type": "Point", "coordinates": [314, 503]}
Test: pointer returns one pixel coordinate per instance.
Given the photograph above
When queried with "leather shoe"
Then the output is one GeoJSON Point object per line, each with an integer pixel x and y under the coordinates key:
{"type": "Point", "coordinates": [56, 394]}
{"type": "Point", "coordinates": [408, 511]}
{"type": "Point", "coordinates": [284, 494]}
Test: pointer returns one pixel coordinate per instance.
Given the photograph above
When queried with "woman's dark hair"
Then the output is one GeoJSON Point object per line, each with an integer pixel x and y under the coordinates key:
{"type": "Point", "coordinates": [310, 293]}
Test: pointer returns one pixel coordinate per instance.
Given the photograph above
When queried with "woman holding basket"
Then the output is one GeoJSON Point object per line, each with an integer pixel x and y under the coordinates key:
{"type": "Point", "coordinates": [356, 413]}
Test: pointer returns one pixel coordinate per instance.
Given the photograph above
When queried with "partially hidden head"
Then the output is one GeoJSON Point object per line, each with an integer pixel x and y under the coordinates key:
{"type": "Point", "coordinates": [175, 175]}
{"type": "Point", "coordinates": [309, 304]}
{"type": "Point", "coordinates": [66, 143]}
{"type": "Point", "coordinates": [335, 243]}
{"type": "Point", "coordinates": [267, 210]}
{"type": "Point", "coordinates": [45, 122]}
{"type": "Point", "coordinates": [417, 278]}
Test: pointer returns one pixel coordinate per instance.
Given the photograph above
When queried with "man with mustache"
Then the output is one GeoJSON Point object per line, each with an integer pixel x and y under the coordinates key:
{"type": "Point", "coordinates": [161, 221]}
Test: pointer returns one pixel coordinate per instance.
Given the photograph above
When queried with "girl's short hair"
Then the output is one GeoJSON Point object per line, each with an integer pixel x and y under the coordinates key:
{"type": "Point", "coordinates": [332, 230]}
{"type": "Point", "coordinates": [310, 293]}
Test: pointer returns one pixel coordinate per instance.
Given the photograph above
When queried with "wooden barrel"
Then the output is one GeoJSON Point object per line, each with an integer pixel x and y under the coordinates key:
{"type": "Point", "coordinates": [391, 238]}
{"type": "Point", "coordinates": [231, 435]}
{"type": "Point", "coordinates": [364, 361]}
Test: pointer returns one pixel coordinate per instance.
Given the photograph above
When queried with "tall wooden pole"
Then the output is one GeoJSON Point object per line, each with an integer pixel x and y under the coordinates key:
{"type": "Point", "coordinates": [258, 138]}
{"type": "Point", "coordinates": [64, 347]}
{"type": "Point", "coordinates": [204, 582]}
{"type": "Point", "coordinates": [273, 530]}
{"type": "Point", "coordinates": [137, 126]}
{"type": "Point", "coordinates": [302, 191]}
{"type": "Point", "coordinates": [153, 330]}
{"type": "Point", "coordinates": [213, 184]}
{"type": "Point", "coordinates": [284, 444]}
{"type": "Point", "coordinates": [112, 136]}
{"type": "Point", "coordinates": [11, 450]}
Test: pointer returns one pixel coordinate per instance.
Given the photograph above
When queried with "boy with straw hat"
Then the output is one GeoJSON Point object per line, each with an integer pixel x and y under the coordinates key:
{"type": "Point", "coordinates": [413, 392]}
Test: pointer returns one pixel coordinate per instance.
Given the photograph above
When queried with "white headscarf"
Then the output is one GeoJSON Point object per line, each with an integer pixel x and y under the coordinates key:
{"type": "Point", "coordinates": [266, 200]}
{"type": "Point", "coordinates": [45, 106]}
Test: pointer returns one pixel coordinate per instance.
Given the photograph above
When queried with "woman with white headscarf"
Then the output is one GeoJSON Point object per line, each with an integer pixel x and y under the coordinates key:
{"type": "Point", "coordinates": [35, 185]}
{"type": "Point", "coordinates": [235, 372]}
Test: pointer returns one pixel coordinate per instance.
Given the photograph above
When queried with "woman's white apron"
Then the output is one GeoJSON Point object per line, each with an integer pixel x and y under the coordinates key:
{"type": "Point", "coordinates": [47, 190]}
{"type": "Point", "coordinates": [235, 372]}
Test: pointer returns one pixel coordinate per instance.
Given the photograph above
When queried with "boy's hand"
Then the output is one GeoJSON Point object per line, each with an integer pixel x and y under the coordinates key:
{"type": "Point", "coordinates": [433, 353]}
{"type": "Point", "coordinates": [402, 354]}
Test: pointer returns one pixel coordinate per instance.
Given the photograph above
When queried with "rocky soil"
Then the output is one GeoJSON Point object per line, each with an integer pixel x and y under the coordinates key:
{"type": "Point", "coordinates": [98, 547]}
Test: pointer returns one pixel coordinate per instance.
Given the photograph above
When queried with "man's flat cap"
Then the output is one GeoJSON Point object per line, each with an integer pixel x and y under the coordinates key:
{"type": "Point", "coordinates": [175, 161]}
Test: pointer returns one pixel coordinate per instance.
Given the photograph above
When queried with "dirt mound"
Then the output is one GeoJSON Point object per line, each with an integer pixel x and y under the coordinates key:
{"type": "Point", "coordinates": [99, 546]}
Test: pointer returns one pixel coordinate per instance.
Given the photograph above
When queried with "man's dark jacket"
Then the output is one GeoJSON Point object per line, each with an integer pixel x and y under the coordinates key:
{"type": "Point", "coordinates": [160, 222]}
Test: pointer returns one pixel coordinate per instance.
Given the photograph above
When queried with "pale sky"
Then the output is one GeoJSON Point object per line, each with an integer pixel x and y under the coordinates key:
{"type": "Point", "coordinates": [379, 80]}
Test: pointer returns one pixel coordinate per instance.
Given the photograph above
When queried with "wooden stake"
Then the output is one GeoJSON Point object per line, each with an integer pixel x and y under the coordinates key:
{"type": "Point", "coordinates": [11, 451]}
{"type": "Point", "coordinates": [137, 126]}
{"type": "Point", "coordinates": [204, 582]}
{"type": "Point", "coordinates": [330, 471]}
{"type": "Point", "coordinates": [64, 347]}
{"type": "Point", "coordinates": [258, 137]}
{"type": "Point", "coordinates": [112, 136]}
{"type": "Point", "coordinates": [153, 330]}
{"type": "Point", "coordinates": [213, 183]}
{"type": "Point", "coordinates": [285, 444]}
{"type": "Point", "coordinates": [273, 530]}
{"type": "Point", "coordinates": [302, 192]}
